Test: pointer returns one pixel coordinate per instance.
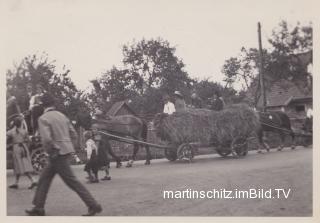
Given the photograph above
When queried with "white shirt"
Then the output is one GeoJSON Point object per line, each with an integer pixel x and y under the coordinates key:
{"type": "Point", "coordinates": [90, 146]}
{"type": "Point", "coordinates": [309, 113]}
{"type": "Point", "coordinates": [35, 100]}
{"type": "Point", "coordinates": [169, 108]}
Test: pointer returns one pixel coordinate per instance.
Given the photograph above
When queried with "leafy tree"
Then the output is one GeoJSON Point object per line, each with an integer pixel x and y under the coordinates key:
{"type": "Point", "coordinates": [150, 69]}
{"type": "Point", "coordinates": [205, 90]}
{"type": "Point", "coordinates": [279, 62]}
{"type": "Point", "coordinates": [286, 44]}
{"type": "Point", "coordinates": [152, 63]}
{"type": "Point", "coordinates": [35, 70]}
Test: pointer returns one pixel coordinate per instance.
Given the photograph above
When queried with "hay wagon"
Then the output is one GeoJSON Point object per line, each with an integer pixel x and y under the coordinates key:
{"type": "Point", "coordinates": [227, 132]}
{"type": "Point", "coordinates": [187, 150]}
{"type": "Point", "coordinates": [182, 134]}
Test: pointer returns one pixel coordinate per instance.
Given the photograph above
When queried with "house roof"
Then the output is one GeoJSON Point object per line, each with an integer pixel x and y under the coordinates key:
{"type": "Point", "coordinates": [282, 93]}
{"type": "Point", "coordinates": [117, 106]}
{"type": "Point", "coordinates": [304, 58]}
{"type": "Point", "coordinates": [298, 100]}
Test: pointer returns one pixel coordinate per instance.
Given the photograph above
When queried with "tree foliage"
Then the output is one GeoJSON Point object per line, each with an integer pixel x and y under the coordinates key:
{"type": "Point", "coordinates": [35, 69]}
{"type": "Point", "coordinates": [279, 62]}
{"type": "Point", "coordinates": [152, 63]}
{"type": "Point", "coordinates": [150, 70]}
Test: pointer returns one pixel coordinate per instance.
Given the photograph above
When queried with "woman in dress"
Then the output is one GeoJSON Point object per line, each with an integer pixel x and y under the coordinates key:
{"type": "Point", "coordinates": [21, 156]}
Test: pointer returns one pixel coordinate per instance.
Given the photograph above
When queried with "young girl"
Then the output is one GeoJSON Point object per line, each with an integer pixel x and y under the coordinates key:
{"type": "Point", "coordinates": [21, 157]}
{"type": "Point", "coordinates": [92, 165]}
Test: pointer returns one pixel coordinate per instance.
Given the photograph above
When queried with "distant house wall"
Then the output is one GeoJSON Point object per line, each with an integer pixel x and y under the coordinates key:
{"type": "Point", "coordinates": [297, 112]}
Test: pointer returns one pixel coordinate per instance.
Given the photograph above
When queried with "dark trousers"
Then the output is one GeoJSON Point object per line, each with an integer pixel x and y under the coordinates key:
{"type": "Point", "coordinates": [61, 166]}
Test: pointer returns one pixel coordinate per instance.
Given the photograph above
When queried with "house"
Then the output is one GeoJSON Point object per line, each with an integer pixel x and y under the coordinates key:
{"type": "Point", "coordinates": [120, 108]}
{"type": "Point", "coordinates": [284, 95]}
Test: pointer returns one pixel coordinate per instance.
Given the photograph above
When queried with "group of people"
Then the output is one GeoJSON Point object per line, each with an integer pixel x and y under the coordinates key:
{"type": "Point", "coordinates": [31, 104]}
{"type": "Point", "coordinates": [58, 138]}
{"type": "Point", "coordinates": [97, 158]}
{"type": "Point", "coordinates": [179, 104]}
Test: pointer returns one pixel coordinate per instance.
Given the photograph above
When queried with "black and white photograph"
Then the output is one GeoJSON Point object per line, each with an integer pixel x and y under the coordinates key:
{"type": "Point", "coordinates": [154, 109]}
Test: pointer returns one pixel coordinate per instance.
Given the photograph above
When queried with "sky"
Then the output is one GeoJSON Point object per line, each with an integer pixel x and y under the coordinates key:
{"type": "Point", "coordinates": [87, 36]}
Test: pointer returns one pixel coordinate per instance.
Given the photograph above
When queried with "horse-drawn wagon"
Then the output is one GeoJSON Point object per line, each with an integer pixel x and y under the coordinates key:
{"type": "Point", "coordinates": [184, 132]}
{"type": "Point", "coordinates": [227, 131]}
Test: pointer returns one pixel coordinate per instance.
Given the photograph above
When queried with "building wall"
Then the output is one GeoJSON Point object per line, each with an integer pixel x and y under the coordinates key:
{"type": "Point", "coordinates": [297, 117]}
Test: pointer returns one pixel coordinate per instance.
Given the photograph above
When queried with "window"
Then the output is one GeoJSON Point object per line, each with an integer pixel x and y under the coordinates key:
{"type": "Point", "coordinates": [300, 108]}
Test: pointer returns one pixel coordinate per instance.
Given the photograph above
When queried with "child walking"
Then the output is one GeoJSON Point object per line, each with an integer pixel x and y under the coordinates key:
{"type": "Point", "coordinates": [92, 165]}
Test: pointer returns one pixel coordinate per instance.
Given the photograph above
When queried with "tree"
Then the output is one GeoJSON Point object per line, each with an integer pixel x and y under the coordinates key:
{"type": "Point", "coordinates": [152, 63]}
{"type": "Point", "coordinates": [205, 90]}
{"type": "Point", "coordinates": [243, 68]}
{"type": "Point", "coordinates": [286, 44]}
{"type": "Point", "coordinates": [280, 61]}
{"type": "Point", "coordinates": [37, 69]}
{"type": "Point", "coordinates": [150, 69]}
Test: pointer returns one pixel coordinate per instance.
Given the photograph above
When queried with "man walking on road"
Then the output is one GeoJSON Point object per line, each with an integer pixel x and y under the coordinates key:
{"type": "Point", "coordinates": [58, 135]}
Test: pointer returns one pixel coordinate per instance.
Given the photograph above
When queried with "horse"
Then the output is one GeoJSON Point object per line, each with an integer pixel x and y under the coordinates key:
{"type": "Point", "coordinates": [278, 122]}
{"type": "Point", "coordinates": [122, 125]}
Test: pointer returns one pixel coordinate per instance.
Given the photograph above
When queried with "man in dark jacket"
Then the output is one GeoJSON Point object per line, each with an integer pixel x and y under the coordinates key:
{"type": "Point", "coordinates": [217, 103]}
{"type": "Point", "coordinates": [58, 138]}
{"type": "Point", "coordinates": [196, 101]}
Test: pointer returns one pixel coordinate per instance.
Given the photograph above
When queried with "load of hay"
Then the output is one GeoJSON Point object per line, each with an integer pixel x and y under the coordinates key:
{"type": "Point", "coordinates": [206, 126]}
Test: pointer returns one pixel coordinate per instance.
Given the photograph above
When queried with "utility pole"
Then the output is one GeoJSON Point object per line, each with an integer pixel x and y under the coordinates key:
{"type": "Point", "coordinates": [263, 92]}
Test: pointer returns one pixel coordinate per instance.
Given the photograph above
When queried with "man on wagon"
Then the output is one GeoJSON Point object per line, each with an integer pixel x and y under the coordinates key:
{"type": "Point", "coordinates": [168, 105]}
{"type": "Point", "coordinates": [217, 103]}
{"type": "Point", "coordinates": [196, 101]}
{"type": "Point", "coordinates": [179, 103]}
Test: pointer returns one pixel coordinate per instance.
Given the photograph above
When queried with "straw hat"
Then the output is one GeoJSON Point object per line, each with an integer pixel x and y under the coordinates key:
{"type": "Point", "coordinates": [178, 94]}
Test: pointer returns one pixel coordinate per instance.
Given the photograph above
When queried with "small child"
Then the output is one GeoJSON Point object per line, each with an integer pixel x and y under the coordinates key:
{"type": "Point", "coordinates": [103, 146]}
{"type": "Point", "coordinates": [92, 165]}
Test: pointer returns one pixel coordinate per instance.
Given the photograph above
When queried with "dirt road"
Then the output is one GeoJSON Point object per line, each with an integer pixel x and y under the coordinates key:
{"type": "Point", "coordinates": [138, 191]}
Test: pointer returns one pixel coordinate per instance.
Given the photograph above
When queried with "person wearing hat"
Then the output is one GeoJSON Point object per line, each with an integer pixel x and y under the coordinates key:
{"type": "Point", "coordinates": [168, 105]}
{"type": "Point", "coordinates": [196, 101]}
{"type": "Point", "coordinates": [58, 138]}
{"type": "Point", "coordinates": [217, 103]}
{"type": "Point", "coordinates": [179, 102]}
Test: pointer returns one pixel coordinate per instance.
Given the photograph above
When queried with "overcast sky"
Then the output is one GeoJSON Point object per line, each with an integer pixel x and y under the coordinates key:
{"type": "Point", "coordinates": [87, 36]}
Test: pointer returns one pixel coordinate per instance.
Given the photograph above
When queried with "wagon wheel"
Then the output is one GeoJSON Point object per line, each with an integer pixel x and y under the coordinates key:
{"type": "Point", "coordinates": [171, 154]}
{"type": "Point", "coordinates": [185, 151]}
{"type": "Point", "coordinates": [241, 147]}
{"type": "Point", "coordinates": [223, 152]}
{"type": "Point", "coordinates": [39, 159]}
